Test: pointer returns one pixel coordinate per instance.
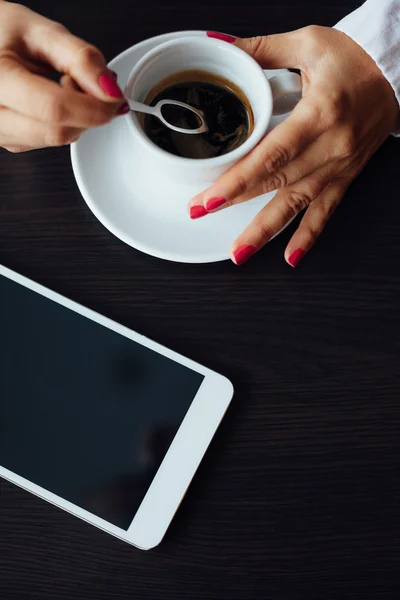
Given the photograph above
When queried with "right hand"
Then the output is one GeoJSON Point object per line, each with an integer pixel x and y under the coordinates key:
{"type": "Point", "coordinates": [347, 110]}
{"type": "Point", "coordinates": [36, 112]}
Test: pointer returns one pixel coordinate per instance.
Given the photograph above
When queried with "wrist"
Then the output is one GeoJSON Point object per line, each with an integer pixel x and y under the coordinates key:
{"type": "Point", "coordinates": [371, 76]}
{"type": "Point", "coordinates": [374, 27]}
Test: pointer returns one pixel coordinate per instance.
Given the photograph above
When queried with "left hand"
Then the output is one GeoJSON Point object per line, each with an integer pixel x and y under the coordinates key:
{"type": "Point", "coordinates": [36, 112]}
{"type": "Point", "coordinates": [347, 110]}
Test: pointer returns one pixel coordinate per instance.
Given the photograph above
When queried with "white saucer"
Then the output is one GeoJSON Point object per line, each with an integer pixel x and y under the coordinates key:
{"type": "Point", "coordinates": [136, 204]}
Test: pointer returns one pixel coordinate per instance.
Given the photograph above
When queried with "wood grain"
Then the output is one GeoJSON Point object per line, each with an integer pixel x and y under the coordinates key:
{"type": "Point", "coordinates": [298, 496]}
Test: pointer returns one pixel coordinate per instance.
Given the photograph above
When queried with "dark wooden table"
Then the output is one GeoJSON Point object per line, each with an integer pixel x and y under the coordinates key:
{"type": "Point", "coordinates": [299, 494]}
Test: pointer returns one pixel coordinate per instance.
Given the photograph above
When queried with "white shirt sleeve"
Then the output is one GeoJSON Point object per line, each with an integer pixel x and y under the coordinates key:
{"type": "Point", "coordinates": [375, 26]}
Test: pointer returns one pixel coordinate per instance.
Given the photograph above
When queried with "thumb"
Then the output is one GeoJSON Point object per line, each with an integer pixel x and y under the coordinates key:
{"type": "Point", "coordinates": [277, 51]}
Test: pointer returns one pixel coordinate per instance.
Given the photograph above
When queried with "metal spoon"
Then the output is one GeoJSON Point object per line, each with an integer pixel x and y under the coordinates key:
{"type": "Point", "coordinates": [156, 111]}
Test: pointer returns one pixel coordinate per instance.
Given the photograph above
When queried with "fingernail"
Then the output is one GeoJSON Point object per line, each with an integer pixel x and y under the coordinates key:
{"type": "Point", "coordinates": [243, 253]}
{"type": "Point", "coordinates": [109, 86]}
{"type": "Point", "coordinates": [114, 74]}
{"type": "Point", "coordinates": [215, 203]}
{"type": "Point", "coordinates": [296, 257]}
{"type": "Point", "coordinates": [197, 211]}
{"type": "Point", "coordinates": [221, 36]}
{"type": "Point", "coordinates": [123, 109]}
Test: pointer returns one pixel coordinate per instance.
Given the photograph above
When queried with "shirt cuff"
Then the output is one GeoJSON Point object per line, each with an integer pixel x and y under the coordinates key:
{"type": "Point", "coordinates": [375, 26]}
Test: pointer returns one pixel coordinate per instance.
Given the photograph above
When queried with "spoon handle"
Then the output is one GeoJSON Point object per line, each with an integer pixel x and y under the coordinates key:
{"type": "Point", "coordinates": [140, 107]}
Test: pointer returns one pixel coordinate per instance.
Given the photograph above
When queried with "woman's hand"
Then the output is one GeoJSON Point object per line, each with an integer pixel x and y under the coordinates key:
{"type": "Point", "coordinates": [347, 110]}
{"type": "Point", "coordinates": [34, 111]}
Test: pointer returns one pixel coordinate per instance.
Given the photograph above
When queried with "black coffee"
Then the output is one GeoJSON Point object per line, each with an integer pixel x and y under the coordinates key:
{"type": "Point", "coordinates": [226, 110]}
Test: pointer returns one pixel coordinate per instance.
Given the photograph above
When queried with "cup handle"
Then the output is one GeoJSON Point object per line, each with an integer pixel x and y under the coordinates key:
{"type": "Point", "coordinates": [286, 90]}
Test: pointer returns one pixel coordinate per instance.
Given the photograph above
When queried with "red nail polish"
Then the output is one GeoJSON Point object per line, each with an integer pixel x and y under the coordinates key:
{"type": "Point", "coordinates": [243, 253]}
{"type": "Point", "coordinates": [109, 86]}
{"type": "Point", "coordinates": [197, 211]}
{"type": "Point", "coordinates": [296, 257]}
{"type": "Point", "coordinates": [123, 109]}
{"type": "Point", "coordinates": [215, 203]}
{"type": "Point", "coordinates": [221, 36]}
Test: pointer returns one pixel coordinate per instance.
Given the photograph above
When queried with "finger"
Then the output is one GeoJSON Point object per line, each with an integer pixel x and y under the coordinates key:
{"type": "Point", "coordinates": [20, 131]}
{"type": "Point", "coordinates": [53, 43]}
{"type": "Point", "coordinates": [14, 149]}
{"type": "Point", "coordinates": [314, 158]}
{"type": "Point", "coordinates": [317, 156]}
{"type": "Point", "coordinates": [257, 173]}
{"type": "Point", "coordinates": [68, 82]}
{"type": "Point", "coordinates": [287, 203]}
{"type": "Point", "coordinates": [315, 218]}
{"type": "Point", "coordinates": [270, 51]}
{"type": "Point", "coordinates": [41, 99]}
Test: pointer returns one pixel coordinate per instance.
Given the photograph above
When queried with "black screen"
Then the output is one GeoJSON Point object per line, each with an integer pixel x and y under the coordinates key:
{"type": "Point", "coordinates": [84, 412]}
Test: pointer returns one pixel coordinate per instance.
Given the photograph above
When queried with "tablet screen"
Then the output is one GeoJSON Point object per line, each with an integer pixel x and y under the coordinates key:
{"type": "Point", "coordinates": [85, 413]}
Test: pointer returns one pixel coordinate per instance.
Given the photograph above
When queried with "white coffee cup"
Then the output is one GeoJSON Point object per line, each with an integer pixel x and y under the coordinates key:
{"type": "Point", "coordinates": [219, 58]}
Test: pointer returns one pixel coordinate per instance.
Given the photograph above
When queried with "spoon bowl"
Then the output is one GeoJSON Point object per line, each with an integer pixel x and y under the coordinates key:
{"type": "Point", "coordinates": [157, 111]}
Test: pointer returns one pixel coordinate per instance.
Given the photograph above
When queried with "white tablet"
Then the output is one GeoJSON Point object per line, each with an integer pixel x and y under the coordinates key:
{"type": "Point", "coordinates": [96, 418]}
